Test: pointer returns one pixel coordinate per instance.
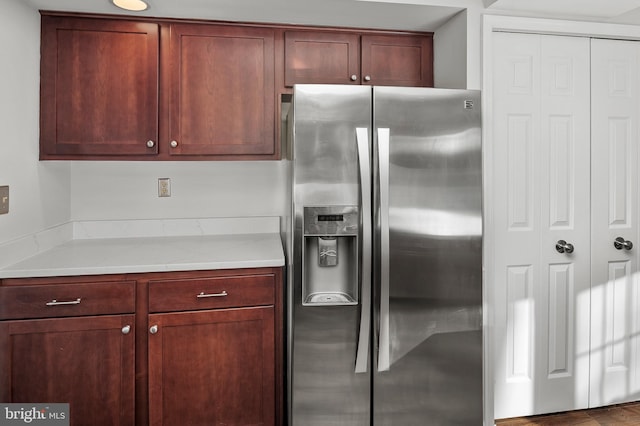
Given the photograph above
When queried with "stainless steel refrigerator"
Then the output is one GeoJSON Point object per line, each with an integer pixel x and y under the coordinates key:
{"type": "Point", "coordinates": [384, 257]}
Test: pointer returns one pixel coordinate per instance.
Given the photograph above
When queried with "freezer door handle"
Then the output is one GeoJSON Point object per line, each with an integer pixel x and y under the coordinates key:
{"type": "Point", "coordinates": [362, 352]}
{"type": "Point", "coordinates": [383, 174]}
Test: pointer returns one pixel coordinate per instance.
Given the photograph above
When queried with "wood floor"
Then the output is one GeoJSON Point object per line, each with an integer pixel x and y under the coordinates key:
{"type": "Point", "coordinates": [616, 415]}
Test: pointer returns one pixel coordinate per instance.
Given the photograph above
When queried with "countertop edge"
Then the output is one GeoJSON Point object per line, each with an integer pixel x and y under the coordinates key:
{"type": "Point", "coordinates": [151, 254]}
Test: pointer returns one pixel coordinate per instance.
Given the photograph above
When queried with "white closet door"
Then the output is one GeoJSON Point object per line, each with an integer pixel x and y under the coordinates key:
{"type": "Point", "coordinates": [615, 296]}
{"type": "Point", "coordinates": [540, 188]}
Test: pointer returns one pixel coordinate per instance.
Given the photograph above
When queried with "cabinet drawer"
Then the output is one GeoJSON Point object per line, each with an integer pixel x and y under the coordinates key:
{"type": "Point", "coordinates": [65, 300]}
{"type": "Point", "coordinates": [211, 293]}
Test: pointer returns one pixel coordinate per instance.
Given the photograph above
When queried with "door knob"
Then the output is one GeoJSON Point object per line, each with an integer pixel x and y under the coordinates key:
{"type": "Point", "coordinates": [174, 144]}
{"type": "Point", "coordinates": [354, 77]}
{"type": "Point", "coordinates": [564, 247]}
{"type": "Point", "coordinates": [150, 144]}
{"type": "Point", "coordinates": [153, 329]}
{"type": "Point", "coordinates": [367, 78]}
{"type": "Point", "coordinates": [620, 243]}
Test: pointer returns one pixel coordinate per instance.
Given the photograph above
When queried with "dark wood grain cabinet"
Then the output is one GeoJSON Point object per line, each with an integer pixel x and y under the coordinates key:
{"type": "Point", "coordinates": [194, 347]}
{"type": "Point", "coordinates": [221, 91]}
{"type": "Point", "coordinates": [397, 60]}
{"type": "Point", "coordinates": [99, 88]}
{"type": "Point", "coordinates": [114, 89]}
{"type": "Point", "coordinates": [321, 57]}
{"type": "Point", "coordinates": [212, 367]}
{"type": "Point", "coordinates": [166, 89]}
{"type": "Point", "coordinates": [329, 57]}
{"type": "Point", "coordinates": [212, 354]}
{"type": "Point", "coordinates": [79, 357]}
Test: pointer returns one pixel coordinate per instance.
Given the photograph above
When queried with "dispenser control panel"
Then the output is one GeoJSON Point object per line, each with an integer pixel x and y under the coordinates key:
{"type": "Point", "coordinates": [331, 220]}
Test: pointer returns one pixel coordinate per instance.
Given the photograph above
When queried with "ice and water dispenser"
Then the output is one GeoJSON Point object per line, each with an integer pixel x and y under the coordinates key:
{"type": "Point", "coordinates": [330, 255]}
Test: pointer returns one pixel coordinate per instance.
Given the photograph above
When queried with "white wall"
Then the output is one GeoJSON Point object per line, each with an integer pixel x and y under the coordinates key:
{"type": "Point", "coordinates": [450, 53]}
{"type": "Point", "coordinates": [39, 192]}
{"type": "Point", "coordinates": [129, 190]}
{"type": "Point", "coordinates": [457, 51]}
{"type": "Point", "coordinates": [474, 48]}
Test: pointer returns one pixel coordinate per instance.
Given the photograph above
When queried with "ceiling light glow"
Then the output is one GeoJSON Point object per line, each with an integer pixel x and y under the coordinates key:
{"type": "Point", "coordinates": [133, 5]}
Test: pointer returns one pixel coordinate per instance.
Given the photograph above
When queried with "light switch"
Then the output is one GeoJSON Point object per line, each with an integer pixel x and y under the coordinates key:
{"type": "Point", "coordinates": [4, 199]}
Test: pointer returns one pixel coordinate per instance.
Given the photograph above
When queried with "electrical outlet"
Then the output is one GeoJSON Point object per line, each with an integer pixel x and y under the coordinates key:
{"type": "Point", "coordinates": [164, 187]}
{"type": "Point", "coordinates": [4, 199]}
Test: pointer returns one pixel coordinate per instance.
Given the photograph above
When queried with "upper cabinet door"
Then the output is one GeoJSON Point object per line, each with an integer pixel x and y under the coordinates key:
{"type": "Point", "coordinates": [321, 57]}
{"type": "Point", "coordinates": [222, 94]}
{"type": "Point", "coordinates": [397, 60]}
{"type": "Point", "coordinates": [99, 88]}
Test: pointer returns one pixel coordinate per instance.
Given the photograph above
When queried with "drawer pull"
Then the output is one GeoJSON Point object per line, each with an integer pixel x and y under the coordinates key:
{"type": "Point", "coordinates": [203, 294]}
{"type": "Point", "coordinates": [54, 302]}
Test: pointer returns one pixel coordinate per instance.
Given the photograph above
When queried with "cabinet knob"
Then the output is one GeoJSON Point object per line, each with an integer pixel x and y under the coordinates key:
{"type": "Point", "coordinates": [564, 247]}
{"type": "Point", "coordinates": [354, 77]}
{"type": "Point", "coordinates": [150, 144]}
{"type": "Point", "coordinates": [153, 329]}
{"type": "Point", "coordinates": [174, 144]}
{"type": "Point", "coordinates": [620, 244]}
{"type": "Point", "coordinates": [367, 78]}
{"type": "Point", "coordinates": [126, 329]}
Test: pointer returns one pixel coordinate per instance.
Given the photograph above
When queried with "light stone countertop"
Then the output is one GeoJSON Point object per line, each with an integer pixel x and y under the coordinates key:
{"type": "Point", "coordinates": [139, 254]}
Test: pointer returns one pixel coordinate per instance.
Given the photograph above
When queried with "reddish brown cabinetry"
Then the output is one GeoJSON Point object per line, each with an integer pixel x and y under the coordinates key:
{"type": "Point", "coordinates": [352, 58]}
{"type": "Point", "coordinates": [115, 89]}
{"type": "Point", "coordinates": [99, 88]}
{"type": "Point", "coordinates": [397, 60]}
{"type": "Point", "coordinates": [194, 347]}
{"type": "Point", "coordinates": [167, 89]}
{"type": "Point", "coordinates": [215, 361]}
{"type": "Point", "coordinates": [80, 358]}
{"type": "Point", "coordinates": [321, 57]}
{"type": "Point", "coordinates": [222, 95]}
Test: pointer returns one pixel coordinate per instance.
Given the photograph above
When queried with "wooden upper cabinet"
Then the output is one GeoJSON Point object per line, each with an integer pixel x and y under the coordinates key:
{"type": "Point", "coordinates": [397, 60]}
{"type": "Point", "coordinates": [329, 57]}
{"type": "Point", "coordinates": [99, 87]}
{"type": "Point", "coordinates": [222, 90]}
{"type": "Point", "coordinates": [106, 95]}
{"type": "Point", "coordinates": [321, 57]}
{"type": "Point", "coordinates": [165, 89]}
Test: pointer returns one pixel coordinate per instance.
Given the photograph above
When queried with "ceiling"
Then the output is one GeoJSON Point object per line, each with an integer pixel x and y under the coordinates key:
{"type": "Point", "coordinates": [419, 15]}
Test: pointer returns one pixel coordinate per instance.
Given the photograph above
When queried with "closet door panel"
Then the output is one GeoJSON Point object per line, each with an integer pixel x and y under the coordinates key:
{"type": "Point", "coordinates": [614, 297]}
{"type": "Point", "coordinates": [562, 362]}
{"type": "Point", "coordinates": [541, 193]}
{"type": "Point", "coordinates": [517, 220]}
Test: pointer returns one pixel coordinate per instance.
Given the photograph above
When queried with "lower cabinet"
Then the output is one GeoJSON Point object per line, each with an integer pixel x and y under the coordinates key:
{"type": "Point", "coordinates": [212, 347]}
{"type": "Point", "coordinates": [173, 348]}
{"type": "Point", "coordinates": [213, 367]}
{"type": "Point", "coordinates": [87, 362]}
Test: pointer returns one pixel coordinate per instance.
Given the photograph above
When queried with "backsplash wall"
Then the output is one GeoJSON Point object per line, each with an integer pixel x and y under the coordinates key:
{"type": "Point", "coordinates": [129, 190]}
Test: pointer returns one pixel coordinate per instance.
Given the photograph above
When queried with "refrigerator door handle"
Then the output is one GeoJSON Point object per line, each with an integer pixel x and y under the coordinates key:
{"type": "Point", "coordinates": [383, 173]}
{"type": "Point", "coordinates": [362, 352]}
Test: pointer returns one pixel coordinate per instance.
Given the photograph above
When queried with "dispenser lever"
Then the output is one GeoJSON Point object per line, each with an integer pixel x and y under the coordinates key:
{"type": "Point", "coordinates": [327, 251]}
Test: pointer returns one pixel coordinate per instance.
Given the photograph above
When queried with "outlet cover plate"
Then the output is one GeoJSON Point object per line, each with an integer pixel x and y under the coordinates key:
{"type": "Point", "coordinates": [164, 187]}
{"type": "Point", "coordinates": [4, 199]}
